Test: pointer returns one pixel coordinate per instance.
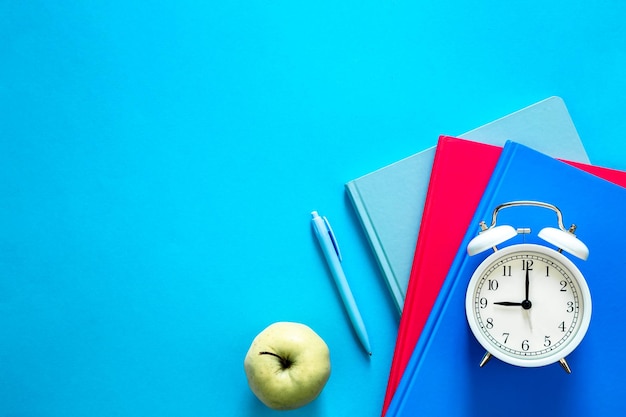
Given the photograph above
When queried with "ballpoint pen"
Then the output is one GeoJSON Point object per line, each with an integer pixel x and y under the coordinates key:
{"type": "Point", "coordinates": [327, 240]}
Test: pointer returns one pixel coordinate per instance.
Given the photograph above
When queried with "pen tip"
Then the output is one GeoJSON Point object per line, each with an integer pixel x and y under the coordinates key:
{"type": "Point", "coordinates": [314, 214]}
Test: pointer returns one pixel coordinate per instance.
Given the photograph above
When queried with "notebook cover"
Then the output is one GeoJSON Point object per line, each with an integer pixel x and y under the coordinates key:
{"type": "Point", "coordinates": [389, 201]}
{"type": "Point", "coordinates": [456, 177]}
{"type": "Point", "coordinates": [443, 377]}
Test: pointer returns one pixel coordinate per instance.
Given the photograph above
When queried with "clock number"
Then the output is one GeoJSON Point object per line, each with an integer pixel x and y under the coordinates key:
{"type": "Point", "coordinates": [562, 326]}
{"type": "Point", "coordinates": [570, 307]}
{"type": "Point", "coordinates": [489, 323]}
{"type": "Point", "coordinates": [563, 286]}
{"type": "Point", "coordinates": [525, 346]}
{"type": "Point", "coordinates": [506, 337]}
{"type": "Point", "coordinates": [493, 285]}
{"type": "Point", "coordinates": [483, 302]}
{"type": "Point", "coordinates": [547, 271]}
{"type": "Point", "coordinates": [506, 271]}
{"type": "Point", "coordinates": [527, 264]}
{"type": "Point", "coordinates": [546, 341]}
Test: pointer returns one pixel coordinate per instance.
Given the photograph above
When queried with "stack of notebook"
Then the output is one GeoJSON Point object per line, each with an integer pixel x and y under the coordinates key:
{"type": "Point", "coordinates": [458, 183]}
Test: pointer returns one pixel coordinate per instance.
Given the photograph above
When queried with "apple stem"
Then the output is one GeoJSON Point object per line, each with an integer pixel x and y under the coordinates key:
{"type": "Point", "coordinates": [285, 363]}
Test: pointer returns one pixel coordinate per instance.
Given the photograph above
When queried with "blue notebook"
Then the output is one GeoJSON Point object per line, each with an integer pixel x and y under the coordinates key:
{"type": "Point", "coordinates": [443, 376]}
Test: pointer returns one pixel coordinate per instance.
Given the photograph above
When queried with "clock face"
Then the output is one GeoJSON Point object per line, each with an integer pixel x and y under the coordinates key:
{"type": "Point", "coordinates": [528, 305]}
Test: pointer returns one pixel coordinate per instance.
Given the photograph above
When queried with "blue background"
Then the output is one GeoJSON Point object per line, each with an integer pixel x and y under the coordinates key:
{"type": "Point", "coordinates": [158, 164]}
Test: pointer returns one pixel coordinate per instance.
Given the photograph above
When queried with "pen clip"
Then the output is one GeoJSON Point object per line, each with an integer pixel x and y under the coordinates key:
{"type": "Point", "coordinates": [331, 234]}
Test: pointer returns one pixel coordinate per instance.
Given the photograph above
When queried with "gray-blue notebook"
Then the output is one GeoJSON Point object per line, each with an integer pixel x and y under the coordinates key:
{"type": "Point", "coordinates": [390, 200]}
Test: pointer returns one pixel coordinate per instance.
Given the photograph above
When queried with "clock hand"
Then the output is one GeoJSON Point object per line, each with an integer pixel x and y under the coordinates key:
{"type": "Point", "coordinates": [509, 304]}
{"type": "Point", "coordinates": [526, 304]}
{"type": "Point", "coordinates": [527, 283]}
{"type": "Point", "coordinates": [527, 315]}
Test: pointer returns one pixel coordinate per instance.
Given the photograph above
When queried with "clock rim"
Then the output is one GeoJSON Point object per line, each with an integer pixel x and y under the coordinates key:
{"type": "Point", "coordinates": [548, 358]}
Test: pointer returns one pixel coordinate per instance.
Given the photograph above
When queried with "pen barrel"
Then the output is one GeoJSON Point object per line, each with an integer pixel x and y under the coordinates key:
{"type": "Point", "coordinates": [341, 281]}
{"type": "Point", "coordinates": [348, 298]}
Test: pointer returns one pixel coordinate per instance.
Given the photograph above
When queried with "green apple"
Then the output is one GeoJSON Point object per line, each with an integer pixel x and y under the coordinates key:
{"type": "Point", "coordinates": [287, 365]}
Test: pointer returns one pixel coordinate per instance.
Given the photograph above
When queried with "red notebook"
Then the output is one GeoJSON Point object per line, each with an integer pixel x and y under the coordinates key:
{"type": "Point", "coordinates": [460, 173]}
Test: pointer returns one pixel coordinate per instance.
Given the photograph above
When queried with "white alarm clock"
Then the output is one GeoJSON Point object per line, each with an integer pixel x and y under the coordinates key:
{"type": "Point", "coordinates": [527, 304]}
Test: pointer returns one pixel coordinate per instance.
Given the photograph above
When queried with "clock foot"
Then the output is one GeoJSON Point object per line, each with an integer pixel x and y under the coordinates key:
{"type": "Point", "coordinates": [565, 366]}
{"type": "Point", "coordinates": [485, 359]}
